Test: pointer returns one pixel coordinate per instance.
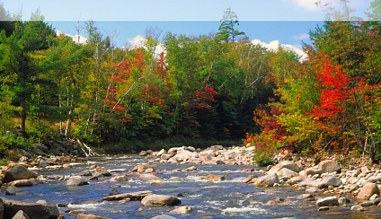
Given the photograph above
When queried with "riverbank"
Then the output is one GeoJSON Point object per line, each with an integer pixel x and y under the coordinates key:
{"type": "Point", "coordinates": [211, 176]}
{"type": "Point", "coordinates": [337, 181]}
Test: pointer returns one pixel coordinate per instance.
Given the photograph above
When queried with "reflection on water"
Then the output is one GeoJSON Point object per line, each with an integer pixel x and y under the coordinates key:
{"type": "Point", "coordinates": [224, 199]}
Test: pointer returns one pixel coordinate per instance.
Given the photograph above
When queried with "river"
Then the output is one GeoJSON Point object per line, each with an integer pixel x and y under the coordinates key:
{"type": "Point", "coordinates": [209, 199]}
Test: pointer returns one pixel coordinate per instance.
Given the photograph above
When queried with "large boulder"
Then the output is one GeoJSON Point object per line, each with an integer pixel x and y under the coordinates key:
{"type": "Point", "coordinates": [18, 172]}
{"type": "Point", "coordinates": [285, 164]}
{"type": "Point", "coordinates": [184, 155]}
{"type": "Point", "coordinates": [33, 210]}
{"type": "Point", "coordinates": [160, 200]}
{"type": "Point", "coordinates": [330, 181]}
{"type": "Point", "coordinates": [286, 173]}
{"type": "Point", "coordinates": [267, 180]}
{"type": "Point", "coordinates": [368, 190]}
{"type": "Point", "coordinates": [328, 166]}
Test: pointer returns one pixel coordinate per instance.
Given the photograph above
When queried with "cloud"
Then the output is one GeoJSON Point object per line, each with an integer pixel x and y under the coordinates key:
{"type": "Point", "coordinates": [76, 38]}
{"type": "Point", "coordinates": [140, 41]}
{"type": "Point", "coordinates": [275, 45]}
{"type": "Point", "coordinates": [301, 36]}
{"type": "Point", "coordinates": [137, 42]}
{"type": "Point", "coordinates": [311, 5]}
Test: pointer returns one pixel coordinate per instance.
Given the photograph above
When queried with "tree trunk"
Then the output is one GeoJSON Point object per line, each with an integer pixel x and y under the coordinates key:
{"type": "Point", "coordinates": [23, 120]}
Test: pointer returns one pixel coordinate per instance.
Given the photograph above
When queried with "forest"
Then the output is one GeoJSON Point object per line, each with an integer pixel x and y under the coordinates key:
{"type": "Point", "coordinates": [210, 88]}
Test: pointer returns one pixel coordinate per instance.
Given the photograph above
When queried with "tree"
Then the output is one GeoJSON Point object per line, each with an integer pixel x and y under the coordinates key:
{"type": "Point", "coordinates": [226, 30]}
{"type": "Point", "coordinates": [18, 62]}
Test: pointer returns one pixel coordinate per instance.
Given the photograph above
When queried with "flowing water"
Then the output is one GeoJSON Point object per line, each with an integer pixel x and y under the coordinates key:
{"type": "Point", "coordinates": [209, 199]}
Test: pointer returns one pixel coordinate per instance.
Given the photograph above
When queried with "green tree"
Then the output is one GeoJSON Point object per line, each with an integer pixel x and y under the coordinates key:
{"type": "Point", "coordinates": [18, 62]}
{"type": "Point", "coordinates": [227, 30]}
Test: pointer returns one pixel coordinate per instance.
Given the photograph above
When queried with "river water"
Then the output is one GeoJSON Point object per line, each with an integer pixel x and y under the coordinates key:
{"type": "Point", "coordinates": [209, 199]}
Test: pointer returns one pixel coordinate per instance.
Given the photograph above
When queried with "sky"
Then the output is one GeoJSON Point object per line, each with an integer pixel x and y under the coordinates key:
{"type": "Point", "coordinates": [266, 22]}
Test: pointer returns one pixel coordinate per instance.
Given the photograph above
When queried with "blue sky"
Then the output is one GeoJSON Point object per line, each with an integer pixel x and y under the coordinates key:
{"type": "Point", "coordinates": [288, 21]}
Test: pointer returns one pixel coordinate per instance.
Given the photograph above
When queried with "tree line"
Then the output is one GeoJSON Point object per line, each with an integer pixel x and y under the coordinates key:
{"type": "Point", "coordinates": [53, 87]}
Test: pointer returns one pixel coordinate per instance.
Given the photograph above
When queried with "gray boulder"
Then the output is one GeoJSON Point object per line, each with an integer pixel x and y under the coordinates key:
{"type": "Point", "coordinates": [328, 166]}
{"type": "Point", "coordinates": [267, 180]}
{"type": "Point", "coordinates": [76, 181]}
{"type": "Point", "coordinates": [328, 201]}
{"type": "Point", "coordinates": [330, 181]}
{"type": "Point", "coordinates": [33, 210]}
{"type": "Point", "coordinates": [160, 200]}
{"type": "Point", "coordinates": [285, 164]}
{"type": "Point", "coordinates": [18, 172]}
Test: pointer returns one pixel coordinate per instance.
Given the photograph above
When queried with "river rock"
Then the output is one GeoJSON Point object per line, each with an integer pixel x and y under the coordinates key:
{"type": "Point", "coordinates": [163, 216]}
{"type": "Point", "coordinates": [148, 177]}
{"type": "Point", "coordinates": [133, 196]}
{"type": "Point", "coordinates": [160, 200]}
{"type": "Point", "coordinates": [20, 215]}
{"type": "Point", "coordinates": [33, 210]}
{"type": "Point", "coordinates": [285, 164]}
{"type": "Point", "coordinates": [328, 166]}
{"type": "Point", "coordinates": [184, 156]}
{"type": "Point", "coordinates": [328, 201]}
{"type": "Point", "coordinates": [343, 201]}
{"type": "Point", "coordinates": [18, 172]}
{"type": "Point", "coordinates": [286, 173]}
{"type": "Point", "coordinates": [296, 179]}
{"type": "Point", "coordinates": [357, 208]}
{"type": "Point", "coordinates": [329, 181]}
{"type": "Point", "coordinates": [22, 183]}
{"type": "Point", "coordinates": [76, 181]}
{"type": "Point", "coordinates": [76, 212]}
{"type": "Point", "coordinates": [181, 210]}
{"type": "Point", "coordinates": [212, 177]}
{"type": "Point", "coordinates": [323, 208]}
{"type": "Point", "coordinates": [11, 190]}
{"type": "Point", "coordinates": [143, 168]}
{"type": "Point", "coordinates": [267, 180]}
{"type": "Point", "coordinates": [368, 190]}
{"type": "Point", "coordinates": [100, 171]}
{"type": "Point", "coordinates": [89, 216]}
{"type": "Point", "coordinates": [118, 179]}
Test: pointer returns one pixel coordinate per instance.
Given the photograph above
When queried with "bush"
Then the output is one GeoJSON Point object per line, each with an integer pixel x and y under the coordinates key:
{"type": "Point", "coordinates": [263, 159]}
{"type": "Point", "coordinates": [10, 142]}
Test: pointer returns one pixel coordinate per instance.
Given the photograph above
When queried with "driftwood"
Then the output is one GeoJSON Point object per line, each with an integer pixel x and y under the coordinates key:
{"type": "Point", "coordinates": [86, 149]}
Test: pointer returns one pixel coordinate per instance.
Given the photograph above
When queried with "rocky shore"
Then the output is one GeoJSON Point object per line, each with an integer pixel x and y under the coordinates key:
{"type": "Point", "coordinates": [329, 184]}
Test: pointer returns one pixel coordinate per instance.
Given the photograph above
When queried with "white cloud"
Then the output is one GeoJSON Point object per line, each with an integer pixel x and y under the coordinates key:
{"type": "Point", "coordinates": [140, 41]}
{"type": "Point", "coordinates": [313, 5]}
{"type": "Point", "coordinates": [76, 38]}
{"type": "Point", "coordinates": [275, 45]}
{"type": "Point", "coordinates": [137, 42]}
{"type": "Point", "coordinates": [301, 36]}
